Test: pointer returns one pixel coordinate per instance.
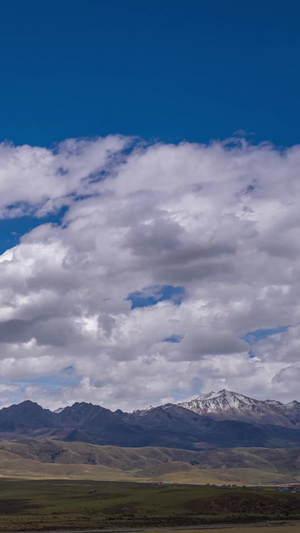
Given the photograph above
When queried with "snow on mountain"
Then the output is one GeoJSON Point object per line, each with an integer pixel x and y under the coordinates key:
{"type": "Point", "coordinates": [141, 412]}
{"type": "Point", "coordinates": [59, 410]}
{"type": "Point", "coordinates": [219, 401]}
{"type": "Point", "coordinates": [293, 405]}
{"type": "Point", "coordinates": [232, 405]}
{"type": "Point", "coordinates": [222, 405]}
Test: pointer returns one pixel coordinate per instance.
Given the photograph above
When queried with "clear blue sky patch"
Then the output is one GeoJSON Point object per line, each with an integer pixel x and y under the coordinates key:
{"type": "Point", "coordinates": [12, 229]}
{"type": "Point", "coordinates": [156, 293]}
{"type": "Point", "coordinates": [253, 337]}
{"type": "Point", "coordinates": [174, 338]}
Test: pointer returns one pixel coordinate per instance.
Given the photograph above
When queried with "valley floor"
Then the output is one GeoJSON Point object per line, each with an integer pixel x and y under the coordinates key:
{"type": "Point", "coordinates": [48, 505]}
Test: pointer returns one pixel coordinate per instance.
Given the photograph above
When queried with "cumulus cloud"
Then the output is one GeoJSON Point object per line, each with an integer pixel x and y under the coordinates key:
{"type": "Point", "coordinates": [35, 179]}
{"type": "Point", "coordinates": [218, 221]}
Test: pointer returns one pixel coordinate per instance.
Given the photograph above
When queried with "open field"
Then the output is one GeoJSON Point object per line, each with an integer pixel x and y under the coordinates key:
{"type": "Point", "coordinates": [71, 504]}
{"type": "Point", "coordinates": [287, 528]}
{"type": "Point", "coordinates": [49, 485]}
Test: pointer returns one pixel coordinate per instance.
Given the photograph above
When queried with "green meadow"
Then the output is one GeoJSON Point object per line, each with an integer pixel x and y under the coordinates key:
{"type": "Point", "coordinates": [51, 485]}
{"type": "Point", "coordinates": [81, 504]}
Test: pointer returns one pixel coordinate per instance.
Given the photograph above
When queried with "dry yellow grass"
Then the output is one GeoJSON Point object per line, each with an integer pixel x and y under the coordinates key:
{"type": "Point", "coordinates": [48, 458]}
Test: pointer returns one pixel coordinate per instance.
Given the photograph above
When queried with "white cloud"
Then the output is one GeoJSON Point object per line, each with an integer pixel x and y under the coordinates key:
{"type": "Point", "coordinates": [221, 222]}
{"type": "Point", "coordinates": [40, 179]}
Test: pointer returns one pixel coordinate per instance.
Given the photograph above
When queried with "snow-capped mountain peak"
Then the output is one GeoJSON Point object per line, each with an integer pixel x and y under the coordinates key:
{"type": "Point", "coordinates": [293, 404]}
{"type": "Point", "coordinates": [226, 404]}
{"type": "Point", "coordinates": [223, 400]}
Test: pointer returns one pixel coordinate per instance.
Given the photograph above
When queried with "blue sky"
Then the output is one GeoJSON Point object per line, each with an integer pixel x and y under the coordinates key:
{"type": "Point", "coordinates": [162, 69]}
{"type": "Point", "coordinates": [158, 293]}
{"type": "Point", "coordinates": [12, 229]}
{"type": "Point", "coordinates": [190, 250]}
{"type": "Point", "coordinates": [255, 336]}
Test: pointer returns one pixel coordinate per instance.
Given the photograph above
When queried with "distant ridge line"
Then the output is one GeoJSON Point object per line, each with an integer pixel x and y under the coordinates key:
{"type": "Point", "coordinates": [216, 420]}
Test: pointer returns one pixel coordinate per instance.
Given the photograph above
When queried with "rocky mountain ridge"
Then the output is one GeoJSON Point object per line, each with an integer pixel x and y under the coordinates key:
{"type": "Point", "coordinates": [172, 426]}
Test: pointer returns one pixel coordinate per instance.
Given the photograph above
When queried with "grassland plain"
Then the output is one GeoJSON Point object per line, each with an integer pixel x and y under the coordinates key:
{"type": "Point", "coordinates": [28, 505]}
{"type": "Point", "coordinates": [34, 458]}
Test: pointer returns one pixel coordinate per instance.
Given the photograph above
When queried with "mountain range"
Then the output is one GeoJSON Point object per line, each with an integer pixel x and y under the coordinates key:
{"type": "Point", "coordinates": [216, 420]}
{"type": "Point", "coordinates": [225, 405]}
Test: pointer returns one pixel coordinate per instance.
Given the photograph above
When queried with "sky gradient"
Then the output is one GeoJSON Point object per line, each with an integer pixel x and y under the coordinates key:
{"type": "Point", "coordinates": [149, 200]}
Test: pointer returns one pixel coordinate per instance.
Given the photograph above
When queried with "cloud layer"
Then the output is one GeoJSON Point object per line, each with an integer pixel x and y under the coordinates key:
{"type": "Point", "coordinates": [219, 223]}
